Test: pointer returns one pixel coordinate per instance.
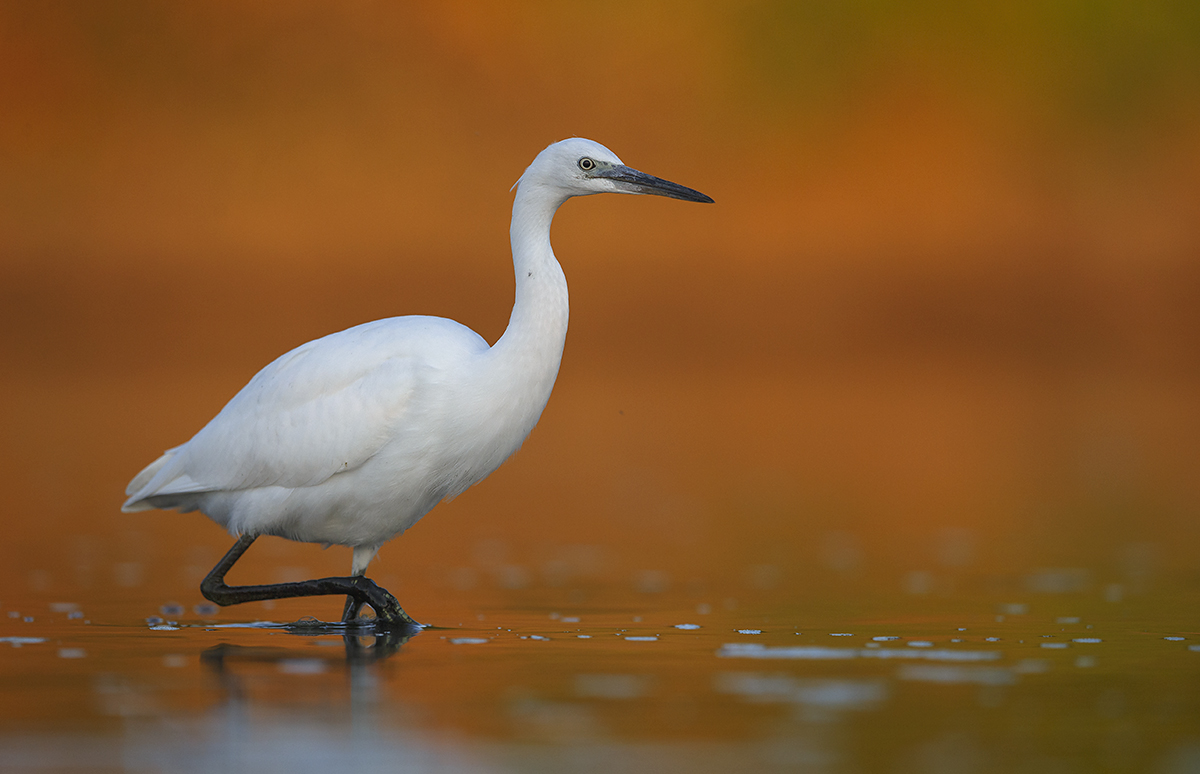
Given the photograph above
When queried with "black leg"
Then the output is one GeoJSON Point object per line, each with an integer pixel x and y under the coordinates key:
{"type": "Point", "coordinates": [359, 589]}
{"type": "Point", "coordinates": [352, 609]}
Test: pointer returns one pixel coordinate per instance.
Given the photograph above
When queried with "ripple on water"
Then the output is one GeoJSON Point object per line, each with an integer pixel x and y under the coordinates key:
{"type": "Point", "coordinates": [825, 693]}
{"type": "Point", "coordinates": [821, 653]}
{"type": "Point", "coordinates": [610, 686]}
{"type": "Point", "coordinates": [302, 666]}
{"type": "Point", "coordinates": [947, 673]}
{"type": "Point", "coordinates": [17, 642]}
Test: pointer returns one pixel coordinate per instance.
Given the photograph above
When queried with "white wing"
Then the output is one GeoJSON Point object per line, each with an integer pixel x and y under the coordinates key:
{"type": "Point", "coordinates": [324, 408]}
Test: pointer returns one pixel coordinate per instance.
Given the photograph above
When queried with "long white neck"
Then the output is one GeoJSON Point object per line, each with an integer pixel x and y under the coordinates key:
{"type": "Point", "coordinates": [531, 348]}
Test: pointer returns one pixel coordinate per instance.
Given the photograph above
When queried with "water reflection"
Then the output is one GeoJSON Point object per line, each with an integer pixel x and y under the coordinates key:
{"type": "Point", "coordinates": [591, 689]}
{"type": "Point", "coordinates": [833, 694]}
{"type": "Point", "coordinates": [362, 644]}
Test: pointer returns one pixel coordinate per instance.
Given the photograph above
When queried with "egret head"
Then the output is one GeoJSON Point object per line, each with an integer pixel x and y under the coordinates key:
{"type": "Point", "coordinates": [579, 167]}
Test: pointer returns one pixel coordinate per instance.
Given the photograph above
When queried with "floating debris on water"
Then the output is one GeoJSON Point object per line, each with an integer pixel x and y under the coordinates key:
{"type": "Point", "coordinates": [687, 626]}
{"type": "Point", "coordinates": [468, 641]}
{"type": "Point", "coordinates": [642, 639]}
{"type": "Point", "coordinates": [749, 631]}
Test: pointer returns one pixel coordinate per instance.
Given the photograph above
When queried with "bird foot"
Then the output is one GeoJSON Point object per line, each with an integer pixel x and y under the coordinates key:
{"type": "Point", "coordinates": [366, 592]}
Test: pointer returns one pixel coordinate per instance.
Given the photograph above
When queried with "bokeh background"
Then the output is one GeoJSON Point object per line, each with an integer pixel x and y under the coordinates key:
{"type": "Point", "coordinates": [939, 333]}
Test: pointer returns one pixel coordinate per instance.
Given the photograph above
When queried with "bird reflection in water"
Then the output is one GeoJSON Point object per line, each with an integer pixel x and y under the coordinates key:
{"type": "Point", "coordinates": [362, 644]}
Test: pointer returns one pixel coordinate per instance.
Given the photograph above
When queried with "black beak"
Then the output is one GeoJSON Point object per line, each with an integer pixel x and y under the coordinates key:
{"type": "Point", "coordinates": [629, 180]}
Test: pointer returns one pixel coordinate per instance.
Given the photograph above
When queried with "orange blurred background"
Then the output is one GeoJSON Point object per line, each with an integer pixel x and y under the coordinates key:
{"type": "Point", "coordinates": [943, 317]}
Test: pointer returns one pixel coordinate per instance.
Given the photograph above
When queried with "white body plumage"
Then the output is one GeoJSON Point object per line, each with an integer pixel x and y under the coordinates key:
{"type": "Point", "coordinates": [350, 439]}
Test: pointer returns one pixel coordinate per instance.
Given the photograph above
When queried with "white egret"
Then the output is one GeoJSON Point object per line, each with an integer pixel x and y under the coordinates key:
{"type": "Point", "coordinates": [351, 438]}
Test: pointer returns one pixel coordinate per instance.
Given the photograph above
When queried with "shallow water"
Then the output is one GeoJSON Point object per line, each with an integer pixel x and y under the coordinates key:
{"type": "Point", "coordinates": [632, 592]}
{"type": "Point", "coordinates": [1077, 681]}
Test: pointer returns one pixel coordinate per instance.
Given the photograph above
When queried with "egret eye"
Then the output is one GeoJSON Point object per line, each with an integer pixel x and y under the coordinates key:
{"type": "Point", "coordinates": [586, 164]}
